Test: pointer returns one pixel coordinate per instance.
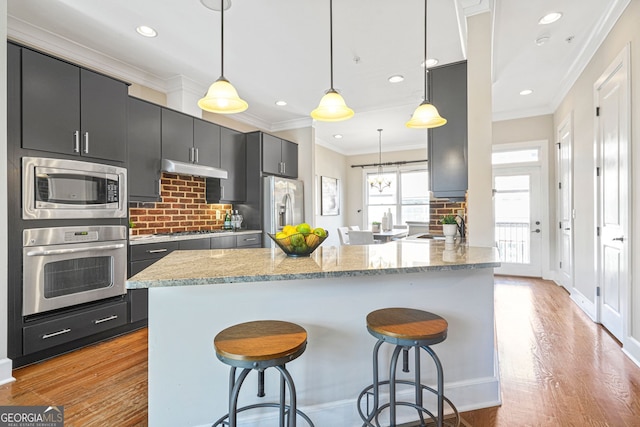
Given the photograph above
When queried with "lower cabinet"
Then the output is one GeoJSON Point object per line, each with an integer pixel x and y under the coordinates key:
{"type": "Point", "coordinates": [75, 326]}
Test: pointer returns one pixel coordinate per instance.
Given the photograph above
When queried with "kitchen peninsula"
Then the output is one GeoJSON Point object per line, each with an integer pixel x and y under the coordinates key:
{"type": "Point", "coordinates": [195, 294]}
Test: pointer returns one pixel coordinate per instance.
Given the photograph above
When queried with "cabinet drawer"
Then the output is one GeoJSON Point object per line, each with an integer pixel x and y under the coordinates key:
{"type": "Point", "coordinates": [75, 326]}
{"type": "Point", "coordinates": [194, 244]}
{"type": "Point", "coordinates": [223, 242]}
{"type": "Point", "coordinates": [248, 240]}
{"type": "Point", "coordinates": [152, 250]}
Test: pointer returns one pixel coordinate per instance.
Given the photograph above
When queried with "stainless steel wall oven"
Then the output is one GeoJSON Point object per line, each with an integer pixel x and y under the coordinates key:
{"type": "Point", "coordinates": [62, 189]}
{"type": "Point", "coordinates": [65, 266]}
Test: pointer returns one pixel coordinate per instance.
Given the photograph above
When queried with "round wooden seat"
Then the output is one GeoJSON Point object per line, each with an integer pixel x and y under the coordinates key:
{"type": "Point", "coordinates": [261, 343]}
{"type": "Point", "coordinates": [407, 326]}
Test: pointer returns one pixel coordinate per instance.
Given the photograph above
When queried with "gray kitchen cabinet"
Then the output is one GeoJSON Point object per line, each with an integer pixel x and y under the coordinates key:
{"type": "Point", "coordinates": [279, 156]}
{"type": "Point", "coordinates": [206, 141]}
{"type": "Point", "coordinates": [253, 240]}
{"type": "Point", "coordinates": [190, 140]}
{"type": "Point", "coordinates": [447, 146]}
{"type": "Point", "coordinates": [70, 110]}
{"type": "Point", "coordinates": [223, 242]}
{"type": "Point", "coordinates": [144, 137]}
{"type": "Point", "coordinates": [177, 136]}
{"type": "Point", "coordinates": [194, 244]}
{"type": "Point", "coordinates": [233, 152]}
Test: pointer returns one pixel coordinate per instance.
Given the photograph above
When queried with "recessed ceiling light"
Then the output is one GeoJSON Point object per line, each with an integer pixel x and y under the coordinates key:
{"type": "Point", "coordinates": [146, 31]}
{"type": "Point", "coordinates": [542, 40]}
{"type": "Point", "coordinates": [396, 79]}
{"type": "Point", "coordinates": [430, 62]}
{"type": "Point", "coordinates": [526, 92]}
{"type": "Point", "coordinates": [337, 136]}
{"type": "Point", "coordinates": [281, 103]}
{"type": "Point", "coordinates": [550, 18]}
{"type": "Point", "coordinates": [215, 4]}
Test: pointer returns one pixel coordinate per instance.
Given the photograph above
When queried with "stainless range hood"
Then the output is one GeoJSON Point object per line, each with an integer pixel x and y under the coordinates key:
{"type": "Point", "coordinates": [193, 169]}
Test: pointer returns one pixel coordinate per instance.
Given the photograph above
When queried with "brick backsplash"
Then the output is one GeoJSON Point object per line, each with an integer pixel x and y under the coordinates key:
{"type": "Point", "coordinates": [183, 208]}
{"type": "Point", "coordinates": [440, 207]}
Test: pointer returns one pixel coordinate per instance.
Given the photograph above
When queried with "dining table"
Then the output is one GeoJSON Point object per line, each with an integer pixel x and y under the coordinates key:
{"type": "Point", "coordinates": [388, 235]}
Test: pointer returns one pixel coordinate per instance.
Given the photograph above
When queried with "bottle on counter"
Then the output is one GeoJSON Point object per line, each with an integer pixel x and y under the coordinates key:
{"type": "Point", "coordinates": [389, 220]}
{"type": "Point", "coordinates": [385, 222]}
{"type": "Point", "coordinates": [227, 221]}
{"type": "Point", "coordinates": [238, 220]}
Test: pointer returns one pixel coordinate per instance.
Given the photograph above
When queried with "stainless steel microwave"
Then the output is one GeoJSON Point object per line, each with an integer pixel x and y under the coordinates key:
{"type": "Point", "coordinates": [62, 189]}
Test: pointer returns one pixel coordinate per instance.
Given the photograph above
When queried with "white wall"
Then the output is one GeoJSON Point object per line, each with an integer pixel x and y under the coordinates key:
{"type": "Point", "coordinates": [580, 103]}
{"type": "Point", "coordinates": [5, 364]}
{"type": "Point", "coordinates": [334, 165]}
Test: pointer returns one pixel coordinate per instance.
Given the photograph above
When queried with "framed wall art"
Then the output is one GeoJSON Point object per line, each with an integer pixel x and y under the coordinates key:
{"type": "Point", "coordinates": [330, 196]}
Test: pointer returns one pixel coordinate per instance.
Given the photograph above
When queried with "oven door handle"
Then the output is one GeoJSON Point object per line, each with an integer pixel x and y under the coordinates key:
{"type": "Point", "coordinates": [75, 250]}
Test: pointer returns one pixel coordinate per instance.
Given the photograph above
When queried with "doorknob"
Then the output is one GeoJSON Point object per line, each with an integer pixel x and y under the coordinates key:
{"type": "Point", "coordinates": [620, 239]}
{"type": "Point", "coordinates": [537, 230]}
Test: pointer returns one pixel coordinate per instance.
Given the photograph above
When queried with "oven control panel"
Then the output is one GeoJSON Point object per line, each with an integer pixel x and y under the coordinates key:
{"type": "Point", "coordinates": [80, 236]}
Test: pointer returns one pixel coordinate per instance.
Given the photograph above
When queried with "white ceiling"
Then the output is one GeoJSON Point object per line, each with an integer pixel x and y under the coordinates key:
{"type": "Point", "coordinates": [279, 49]}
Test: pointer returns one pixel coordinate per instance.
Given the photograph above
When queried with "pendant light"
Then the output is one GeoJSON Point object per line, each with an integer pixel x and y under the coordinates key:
{"type": "Point", "coordinates": [222, 97]}
{"type": "Point", "coordinates": [379, 181]}
{"type": "Point", "coordinates": [426, 115]}
{"type": "Point", "coordinates": [332, 107]}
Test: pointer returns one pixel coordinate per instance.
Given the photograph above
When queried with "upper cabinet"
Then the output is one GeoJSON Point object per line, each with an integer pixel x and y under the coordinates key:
{"type": "Point", "coordinates": [279, 157]}
{"type": "Point", "coordinates": [143, 133]}
{"type": "Point", "coordinates": [190, 140]}
{"type": "Point", "coordinates": [70, 110]}
{"type": "Point", "coordinates": [448, 144]}
{"type": "Point", "coordinates": [233, 154]}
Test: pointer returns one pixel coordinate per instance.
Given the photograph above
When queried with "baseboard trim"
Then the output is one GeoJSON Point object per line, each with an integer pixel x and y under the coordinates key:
{"type": "Point", "coordinates": [584, 303]}
{"type": "Point", "coordinates": [5, 371]}
{"type": "Point", "coordinates": [631, 347]}
{"type": "Point", "coordinates": [467, 396]}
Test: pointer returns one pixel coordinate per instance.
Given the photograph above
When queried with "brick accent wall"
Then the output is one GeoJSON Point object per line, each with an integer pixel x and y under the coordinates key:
{"type": "Point", "coordinates": [440, 207]}
{"type": "Point", "coordinates": [183, 208]}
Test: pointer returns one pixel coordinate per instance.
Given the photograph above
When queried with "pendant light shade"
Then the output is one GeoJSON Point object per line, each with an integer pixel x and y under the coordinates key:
{"type": "Point", "coordinates": [332, 107]}
{"type": "Point", "coordinates": [426, 116]}
{"type": "Point", "coordinates": [222, 97]}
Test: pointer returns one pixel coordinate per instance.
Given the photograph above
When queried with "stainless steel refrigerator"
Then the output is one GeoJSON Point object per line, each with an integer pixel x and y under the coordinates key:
{"type": "Point", "coordinates": [283, 203]}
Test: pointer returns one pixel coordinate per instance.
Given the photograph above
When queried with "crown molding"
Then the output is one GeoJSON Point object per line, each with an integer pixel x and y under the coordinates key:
{"type": "Point", "coordinates": [522, 113]}
{"type": "Point", "coordinates": [303, 122]}
{"type": "Point", "coordinates": [31, 35]}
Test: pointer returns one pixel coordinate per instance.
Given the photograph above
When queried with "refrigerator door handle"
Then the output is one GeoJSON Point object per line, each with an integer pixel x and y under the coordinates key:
{"type": "Point", "coordinates": [288, 210]}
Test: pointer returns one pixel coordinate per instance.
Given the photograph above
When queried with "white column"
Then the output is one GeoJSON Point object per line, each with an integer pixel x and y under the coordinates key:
{"type": "Point", "coordinates": [479, 200]}
{"type": "Point", "coordinates": [183, 95]}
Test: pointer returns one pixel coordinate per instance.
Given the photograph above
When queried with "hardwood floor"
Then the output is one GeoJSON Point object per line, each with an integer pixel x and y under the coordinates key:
{"type": "Point", "coordinates": [557, 369]}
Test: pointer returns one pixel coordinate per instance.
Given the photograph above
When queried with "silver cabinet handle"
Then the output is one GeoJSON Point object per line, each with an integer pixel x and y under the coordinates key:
{"type": "Point", "coordinates": [251, 239]}
{"type": "Point", "coordinates": [76, 141]}
{"type": "Point", "coordinates": [86, 143]}
{"type": "Point", "coordinates": [106, 319]}
{"type": "Point", "coordinates": [157, 251]}
{"type": "Point", "coordinates": [619, 239]}
{"type": "Point", "coordinates": [76, 250]}
{"type": "Point", "coordinates": [55, 334]}
{"type": "Point", "coordinates": [191, 154]}
{"type": "Point", "coordinates": [197, 155]}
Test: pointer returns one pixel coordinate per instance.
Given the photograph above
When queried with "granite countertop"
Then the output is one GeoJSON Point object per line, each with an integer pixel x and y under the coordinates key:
{"type": "Point", "coordinates": [143, 239]}
{"type": "Point", "coordinates": [203, 267]}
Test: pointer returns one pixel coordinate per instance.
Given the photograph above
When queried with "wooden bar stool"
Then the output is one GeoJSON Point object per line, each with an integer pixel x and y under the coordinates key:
{"type": "Point", "coordinates": [406, 328]}
{"type": "Point", "coordinates": [257, 346]}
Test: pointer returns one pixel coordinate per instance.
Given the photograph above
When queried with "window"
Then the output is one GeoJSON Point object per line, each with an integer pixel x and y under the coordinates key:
{"type": "Point", "coordinates": [527, 155]}
{"type": "Point", "coordinates": [407, 196]}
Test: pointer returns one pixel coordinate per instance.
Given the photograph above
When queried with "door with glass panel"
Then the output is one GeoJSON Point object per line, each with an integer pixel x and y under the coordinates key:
{"type": "Point", "coordinates": [518, 227]}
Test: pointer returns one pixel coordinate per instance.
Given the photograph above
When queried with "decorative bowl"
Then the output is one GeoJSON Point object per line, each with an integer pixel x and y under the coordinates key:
{"type": "Point", "coordinates": [298, 244]}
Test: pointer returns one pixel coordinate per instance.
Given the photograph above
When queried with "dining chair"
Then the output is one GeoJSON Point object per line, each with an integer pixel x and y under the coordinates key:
{"type": "Point", "coordinates": [354, 227]}
{"type": "Point", "coordinates": [343, 234]}
{"type": "Point", "coordinates": [357, 237]}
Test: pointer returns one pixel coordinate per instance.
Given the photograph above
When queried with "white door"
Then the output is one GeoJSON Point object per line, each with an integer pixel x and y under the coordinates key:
{"type": "Point", "coordinates": [518, 225]}
{"type": "Point", "coordinates": [565, 205]}
{"type": "Point", "coordinates": [612, 148]}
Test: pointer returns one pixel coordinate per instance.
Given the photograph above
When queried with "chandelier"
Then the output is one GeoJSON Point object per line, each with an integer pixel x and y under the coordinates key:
{"type": "Point", "coordinates": [379, 181]}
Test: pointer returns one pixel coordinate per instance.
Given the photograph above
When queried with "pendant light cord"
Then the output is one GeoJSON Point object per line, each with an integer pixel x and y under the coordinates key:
{"type": "Point", "coordinates": [425, 52]}
{"type": "Point", "coordinates": [331, 39]}
{"type": "Point", "coordinates": [380, 147]}
{"type": "Point", "coordinates": [222, 38]}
